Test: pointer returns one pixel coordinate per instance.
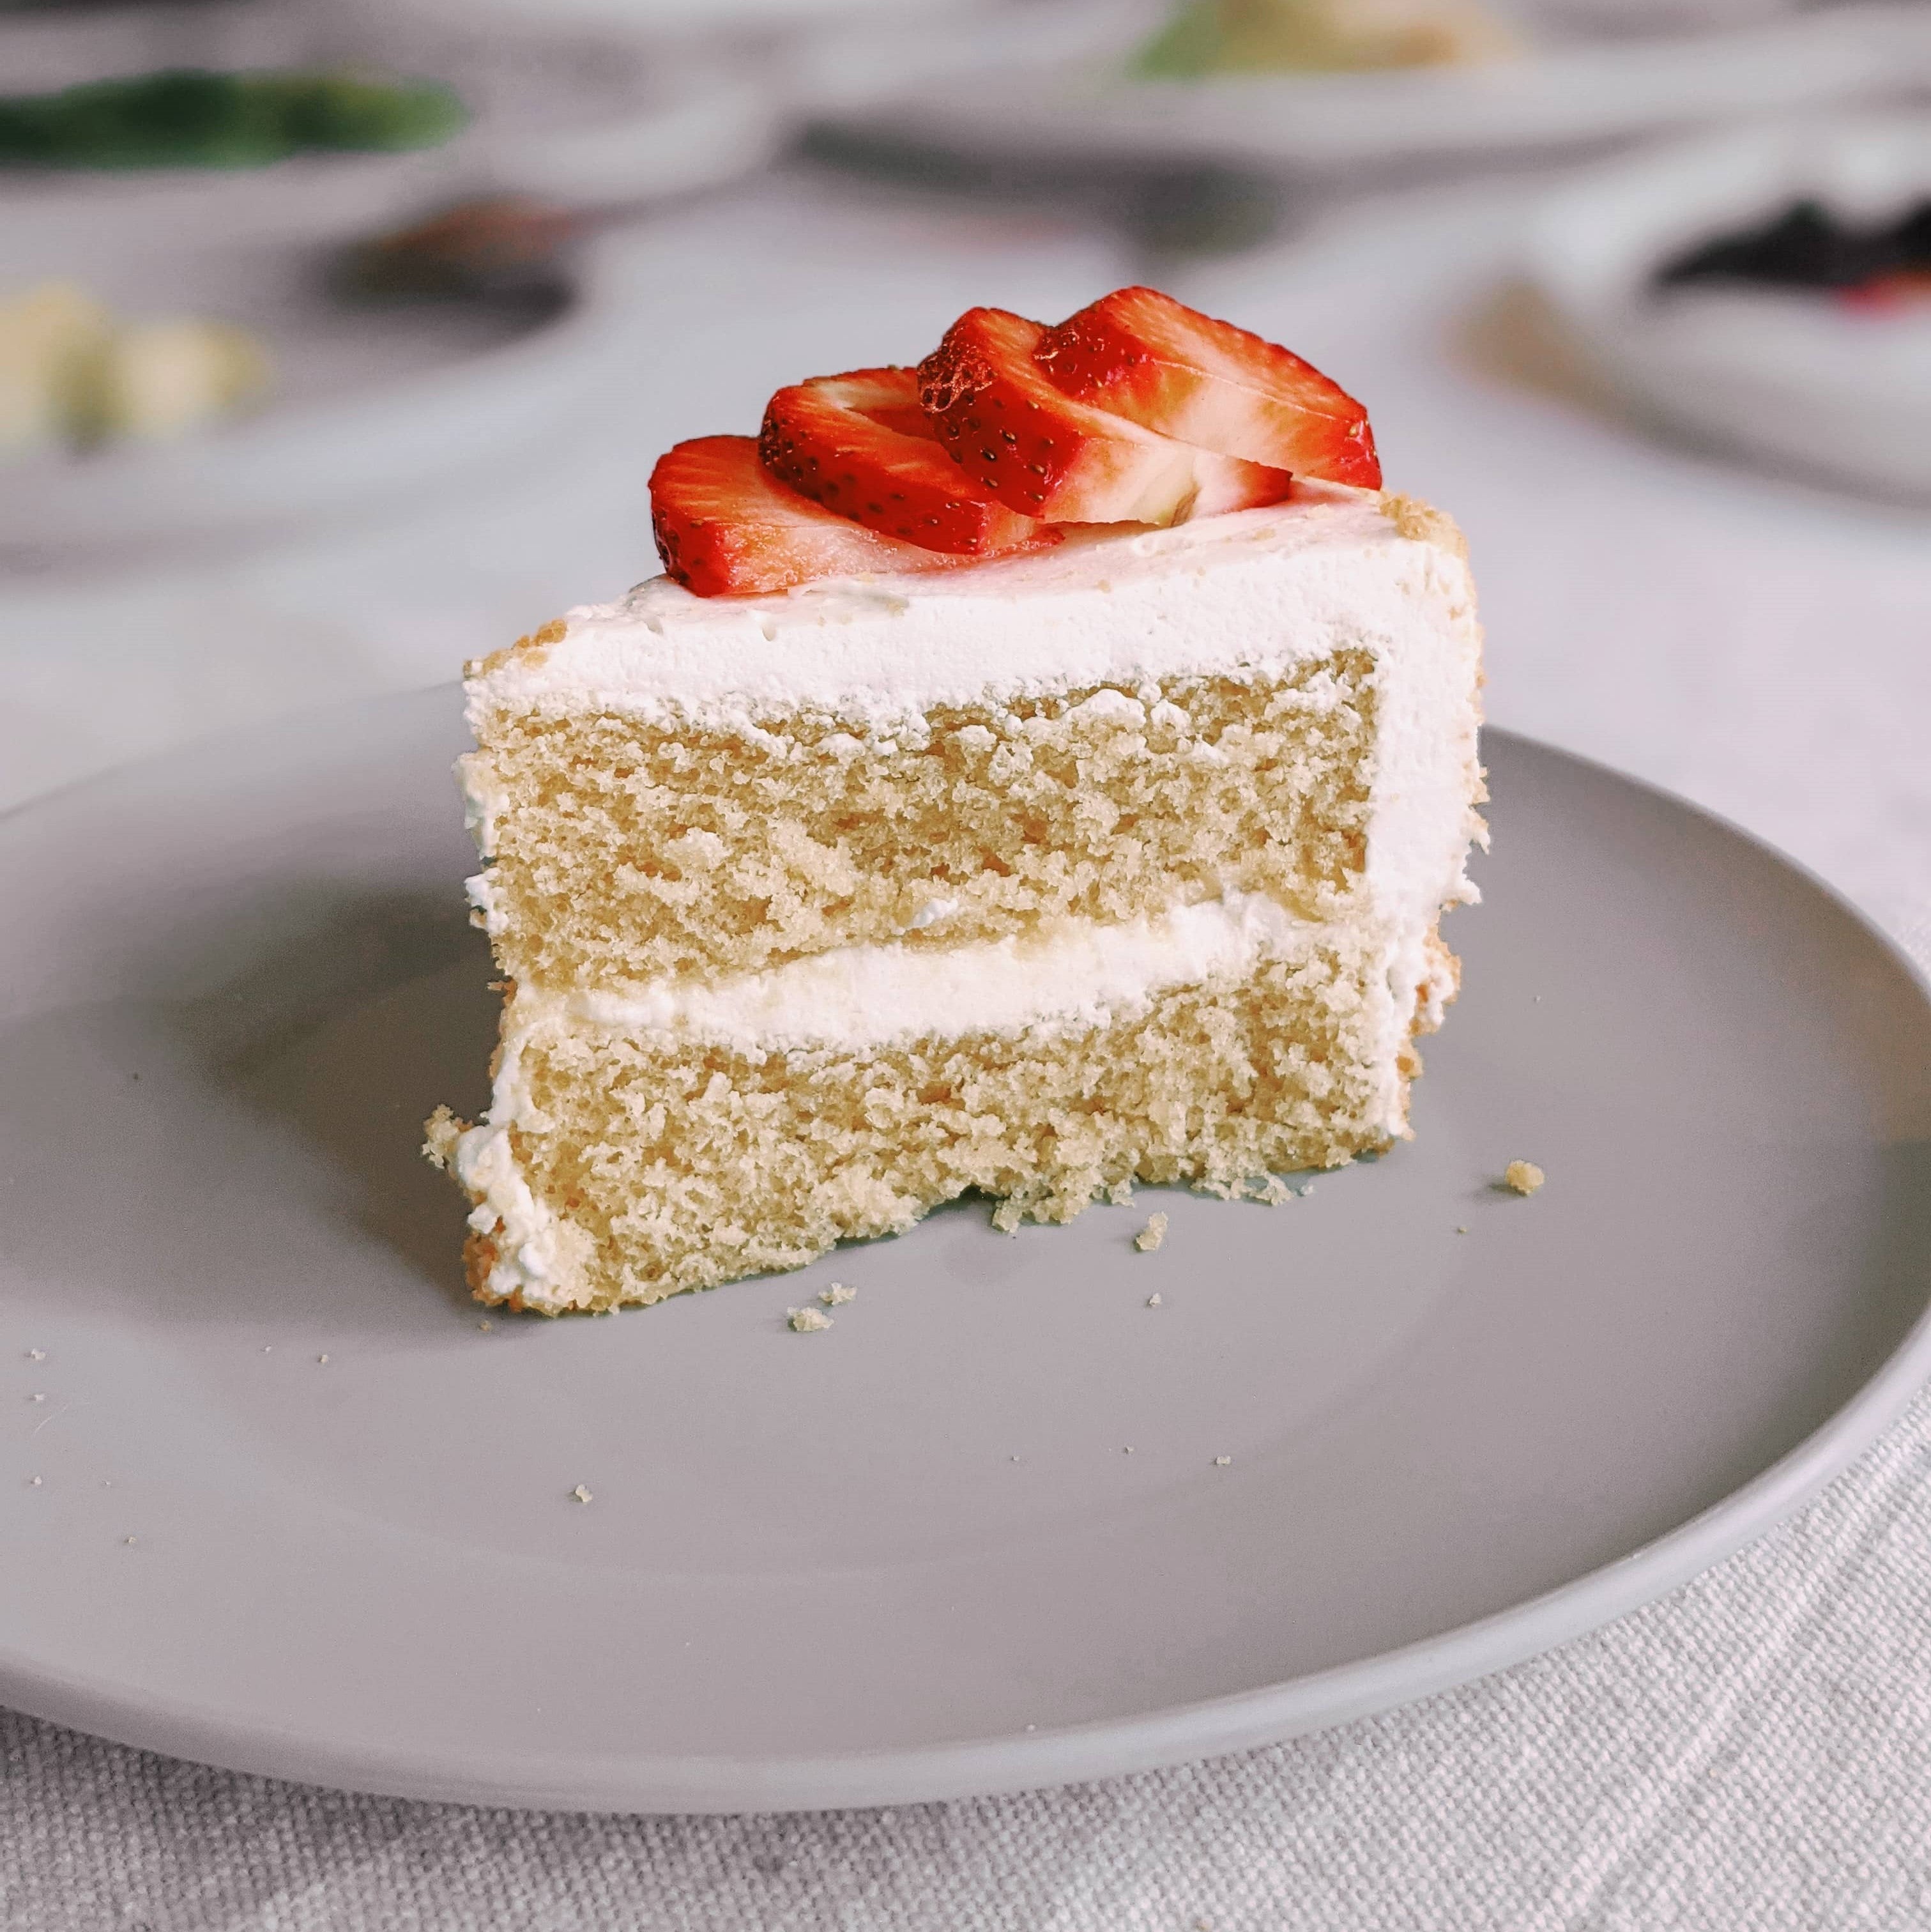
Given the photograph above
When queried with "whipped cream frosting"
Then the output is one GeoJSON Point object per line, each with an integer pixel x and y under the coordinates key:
{"type": "Point", "coordinates": [1255, 592]}
{"type": "Point", "coordinates": [1289, 583]}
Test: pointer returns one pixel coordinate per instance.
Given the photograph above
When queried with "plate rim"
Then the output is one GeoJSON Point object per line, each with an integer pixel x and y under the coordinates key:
{"type": "Point", "coordinates": [642, 1784]}
{"type": "Point", "coordinates": [1590, 245]}
{"type": "Point", "coordinates": [1075, 107]}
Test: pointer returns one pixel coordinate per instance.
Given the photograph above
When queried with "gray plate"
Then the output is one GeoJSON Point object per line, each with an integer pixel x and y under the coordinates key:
{"type": "Point", "coordinates": [910, 1557]}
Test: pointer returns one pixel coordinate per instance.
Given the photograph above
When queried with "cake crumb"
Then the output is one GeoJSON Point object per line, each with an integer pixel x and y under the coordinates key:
{"type": "Point", "coordinates": [808, 1320]}
{"type": "Point", "coordinates": [553, 632]}
{"type": "Point", "coordinates": [33, 1482]}
{"type": "Point", "coordinates": [486, 1326]}
{"type": "Point", "coordinates": [1422, 523]}
{"type": "Point", "coordinates": [1120, 1194]}
{"type": "Point", "coordinates": [36, 1354]}
{"type": "Point", "coordinates": [1153, 1301]}
{"type": "Point", "coordinates": [1271, 1191]}
{"type": "Point", "coordinates": [1151, 1237]}
{"type": "Point", "coordinates": [1461, 1231]}
{"type": "Point", "coordinates": [322, 1358]}
{"type": "Point", "coordinates": [1128, 1451]}
{"type": "Point", "coordinates": [1523, 1176]}
{"type": "Point", "coordinates": [1222, 1461]}
{"type": "Point", "coordinates": [837, 1295]}
{"type": "Point", "coordinates": [127, 1539]}
{"type": "Point", "coordinates": [440, 1133]}
{"type": "Point", "coordinates": [37, 1398]}
{"type": "Point", "coordinates": [1007, 1216]}
{"type": "Point", "coordinates": [580, 1495]}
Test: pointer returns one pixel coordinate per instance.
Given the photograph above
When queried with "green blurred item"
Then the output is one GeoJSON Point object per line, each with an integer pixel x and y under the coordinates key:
{"type": "Point", "coordinates": [188, 118]}
{"type": "Point", "coordinates": [1206, 37]}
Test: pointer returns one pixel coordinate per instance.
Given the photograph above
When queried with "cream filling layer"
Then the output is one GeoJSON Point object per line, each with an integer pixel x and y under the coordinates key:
{"type": "Point", "coordinates": [872, 996]}
{"type": "Point", "coordinates": [858, 998]}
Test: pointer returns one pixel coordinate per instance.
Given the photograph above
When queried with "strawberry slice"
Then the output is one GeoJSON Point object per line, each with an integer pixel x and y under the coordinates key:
{"type": "Point", "coordinates": [1042, 453]}
{"type": "Point", "coordinates": [1140, 354]}
{"type": "Point", "coordinates": [725, 526]}
{"type": "Point", "coordinates": [860, 445]}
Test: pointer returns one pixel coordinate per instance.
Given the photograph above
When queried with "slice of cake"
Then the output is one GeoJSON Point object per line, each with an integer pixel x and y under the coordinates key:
{"type": "Point", "coordinates": [1077, 851]}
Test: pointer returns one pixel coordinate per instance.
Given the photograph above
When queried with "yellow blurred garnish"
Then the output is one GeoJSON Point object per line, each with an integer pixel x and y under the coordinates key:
{"type": "Point", "coordinates": [71, 373]}
{"type": "Point", "coordinates": [50, 340]}
{"type": "Point", "coordinates": [161, 379]}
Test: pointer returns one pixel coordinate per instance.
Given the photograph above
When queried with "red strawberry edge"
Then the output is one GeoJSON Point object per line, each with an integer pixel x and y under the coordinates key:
{"type": "Point", "coordinates": [860, 444]}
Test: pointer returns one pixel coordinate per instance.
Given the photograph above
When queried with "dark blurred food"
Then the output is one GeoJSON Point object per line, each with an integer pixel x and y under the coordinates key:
{"type": "Point", "coordinates": [1807, 247]}
{"type": "Point", "coordinates": [72, 373]}
{"type": "Point", "coordinates": [1321, 36]}
{"type": "Point", "coordinates": [188, 117]}
{"type": "Point", "coordinates": [510, 245]}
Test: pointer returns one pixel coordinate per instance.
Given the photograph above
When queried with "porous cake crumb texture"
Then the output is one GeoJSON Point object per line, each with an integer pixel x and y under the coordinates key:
{"type": "Point", "coordinates": [624, 850]}
{"type": "Point", "coordinates": [683, 1165]}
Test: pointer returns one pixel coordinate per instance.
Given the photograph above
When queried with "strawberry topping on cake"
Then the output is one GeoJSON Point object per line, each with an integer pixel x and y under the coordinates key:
{"type": "Point", "coordinates": [1039, 450]}
{"type": "Point", "coordinates": [1139, 354]}
{"type": "Point", "coordinates": [726, 527]}
{"type": "Point", "coordinates": [860, 445]}
{"type": "Point", "coordinates": [1136, 410]}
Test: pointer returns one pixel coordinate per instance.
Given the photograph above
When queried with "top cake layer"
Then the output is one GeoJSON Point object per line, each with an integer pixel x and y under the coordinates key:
{"type": "Point", "coordinates": [1276, 702]}
{"type": "Point", "coordinates": [1106, 607]}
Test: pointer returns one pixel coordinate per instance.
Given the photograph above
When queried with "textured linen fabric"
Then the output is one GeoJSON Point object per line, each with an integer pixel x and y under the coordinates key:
{"type": "Point", "coordinates": [1751, 1754]}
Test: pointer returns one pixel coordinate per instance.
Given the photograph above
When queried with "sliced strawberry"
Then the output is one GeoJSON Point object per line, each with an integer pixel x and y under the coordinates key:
{"type": "Point", "coordinates": [725, 526]}
{"type": "Point", "coordinates": [1046, 455]}
{"type": "Point", "coordinates": [1141, 354]}
{"type": "Point", "coordinates": [860, 445]}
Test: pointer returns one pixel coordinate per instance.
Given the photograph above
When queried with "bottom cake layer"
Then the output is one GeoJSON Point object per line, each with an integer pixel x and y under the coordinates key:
{"type": "Point", "coordinates": [626, 1165]}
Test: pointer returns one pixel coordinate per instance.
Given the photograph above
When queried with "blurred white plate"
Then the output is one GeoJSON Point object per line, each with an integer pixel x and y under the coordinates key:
{"type": "Point", "coordinates": [686, 18]}
{"type": "Point", "coordinates": [371, 405]}
{"type": "Point", "coordinates": [573, 113]}
{"type": "Point", "coordinates": [1089, 110]}
{"type": "Point", "coordinates": [1798, 378]}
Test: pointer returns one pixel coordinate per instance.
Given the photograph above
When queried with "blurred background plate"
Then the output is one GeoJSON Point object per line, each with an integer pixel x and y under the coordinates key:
{"type": "Point", "coordinates": [371, 402]}
{"type": "Point", "coordinates": [699, 19]}
{"type": "Point", "coordinates": [564, 109]}
{"type": "Point", "coordinates": [1014, 92]}
{"type": "Point", "coordinates": [1792, 376]}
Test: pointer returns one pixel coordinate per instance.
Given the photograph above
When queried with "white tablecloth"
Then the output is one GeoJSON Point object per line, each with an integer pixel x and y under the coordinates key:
{"type": "Point", "coordinates": [1754, 1752]}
